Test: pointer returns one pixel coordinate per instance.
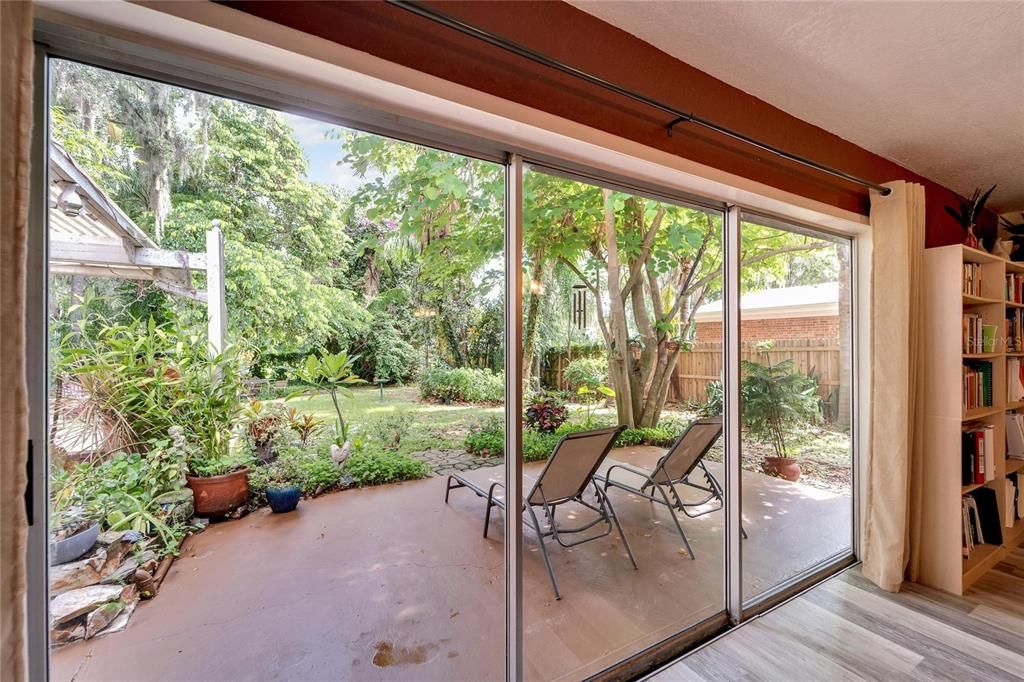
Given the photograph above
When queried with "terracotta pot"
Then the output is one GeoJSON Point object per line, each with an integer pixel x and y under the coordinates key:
{"type": "Point", "coordinates": [218, 495]}
{"type": "Point", "coordinates": [783, 467]}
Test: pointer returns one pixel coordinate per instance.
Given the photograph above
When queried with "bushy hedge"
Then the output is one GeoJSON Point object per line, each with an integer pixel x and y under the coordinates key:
{"type": "Point", "coordinates": [311, 469]}
{"type": "Point", "coordinates": [539, 446]}
{"type": "Point", "coordinates": [373, 467]}
{"type": "Point", "coordinates": [462, 385]}
{"type": "Point", "coordinates": [586, 372]}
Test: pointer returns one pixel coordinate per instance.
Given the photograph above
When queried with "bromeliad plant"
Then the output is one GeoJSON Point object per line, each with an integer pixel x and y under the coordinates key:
{"type": "Point", "coordinates": [546, 414]}
{"type": "Point", "coordinates": [331, 372]}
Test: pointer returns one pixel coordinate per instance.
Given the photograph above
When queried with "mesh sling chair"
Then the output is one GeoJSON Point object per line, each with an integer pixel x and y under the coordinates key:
{"type": "Point", "coordinates": [675, 468]}
{"type": "Point", "coordinates": [568, 474]}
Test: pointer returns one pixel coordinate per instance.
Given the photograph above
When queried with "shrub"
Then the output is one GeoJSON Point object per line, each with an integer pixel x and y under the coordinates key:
{"type": "Point", "coordinates": [462, 385]}
{"type": "Point", "coordinates": [485, 443]}
{"type": "Point", "coordinates": [586, 372]}
{"type": "Point", "coordinates": [373, 467]}
{"type": "Point", "coordinates": [656, 435]}
{"type": "Point", "coordinates": [546, 414]}
{"type": "Point", "coordinates": [712, 407]}
{"type": "Point", "coordinates": [389, 429]}
{"type": "Point", "coordinates": [311, 470]}
{"type": "Point", "coordinates": [538, 446]}
{"type": "Point", "coordinates": [776, 397]}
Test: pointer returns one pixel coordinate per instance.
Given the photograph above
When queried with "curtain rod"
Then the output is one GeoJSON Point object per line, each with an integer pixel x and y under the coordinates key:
{"type": "Point", "coordinates": [680, 116]}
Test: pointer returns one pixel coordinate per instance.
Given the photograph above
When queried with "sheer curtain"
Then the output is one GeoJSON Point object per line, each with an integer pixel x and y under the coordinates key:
{"type": "Point", "coordinates": [15, 128]}
{"type": "Point", "coordinates": [892, 518]}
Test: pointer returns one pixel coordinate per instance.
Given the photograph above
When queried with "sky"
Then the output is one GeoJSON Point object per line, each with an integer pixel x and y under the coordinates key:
{"type": "Point", "coordinates": [323, 153]}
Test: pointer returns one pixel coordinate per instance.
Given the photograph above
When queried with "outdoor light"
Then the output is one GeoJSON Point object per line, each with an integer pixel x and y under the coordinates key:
{"type": "Point", "coordinates": [579, 305]}
{"type": "Point", "coordinates": [70, 202]}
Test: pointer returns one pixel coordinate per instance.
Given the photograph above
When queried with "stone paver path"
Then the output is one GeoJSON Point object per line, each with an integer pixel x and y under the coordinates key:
{"type": "Point", "coordinates": [446, 461]}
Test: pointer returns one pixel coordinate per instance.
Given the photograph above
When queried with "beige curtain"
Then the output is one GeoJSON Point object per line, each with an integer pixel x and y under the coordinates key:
{"type": "Point", "coordinates": [15, 129]}
{"type": "Point", "coordinates": [893, 488]}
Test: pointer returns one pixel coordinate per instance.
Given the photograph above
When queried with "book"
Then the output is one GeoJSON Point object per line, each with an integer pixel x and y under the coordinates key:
{"type": "Point", "coordinates": [978, 454]}
{"type": "Point", "coordinates": [1015, 435]}
{"type": "Point", "coordinates": [977, 385]}
{"type": "Point", "coordinates": [1010, 508]}
{"type": "Point", "coordinates": [1014, 380]}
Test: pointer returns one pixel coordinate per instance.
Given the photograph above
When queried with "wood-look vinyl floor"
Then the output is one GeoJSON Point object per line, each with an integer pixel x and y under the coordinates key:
{"type": "Point", "coordinates": [848, 629]}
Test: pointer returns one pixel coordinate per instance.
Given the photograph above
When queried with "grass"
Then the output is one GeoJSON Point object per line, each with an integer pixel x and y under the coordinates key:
{"type": "Point", "coordinates": [434, 426]}
{"type": "Point", "coordinates": [823, 452]}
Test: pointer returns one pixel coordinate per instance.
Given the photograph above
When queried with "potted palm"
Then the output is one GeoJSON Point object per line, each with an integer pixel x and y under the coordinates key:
{"type": "Point", "coordinates": [776, 398]}
{"type": "Point", "coordinates": [218, 478]}
{"type": "Point", "coordinates": [967, 215]}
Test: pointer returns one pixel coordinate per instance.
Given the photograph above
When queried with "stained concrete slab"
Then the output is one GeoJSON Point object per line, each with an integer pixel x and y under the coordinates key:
{"type": "Point", "coordinates": [389, 583]}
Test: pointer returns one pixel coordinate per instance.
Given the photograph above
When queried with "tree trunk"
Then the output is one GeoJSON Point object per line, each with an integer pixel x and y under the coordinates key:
{"type": "Point", "coordinates": [845, 339]}
{"type": "Point", "coordinates": [620, 357]}
{"type": "Point", "coordinates": [532, 313]}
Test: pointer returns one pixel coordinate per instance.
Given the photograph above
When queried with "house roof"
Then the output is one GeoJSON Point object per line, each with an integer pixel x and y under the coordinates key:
{"type": "Point", "coordinates": [812, 300]}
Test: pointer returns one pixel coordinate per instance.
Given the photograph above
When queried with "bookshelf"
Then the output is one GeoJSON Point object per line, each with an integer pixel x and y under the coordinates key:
{"type": "Point", "coordinates": [946, 418]}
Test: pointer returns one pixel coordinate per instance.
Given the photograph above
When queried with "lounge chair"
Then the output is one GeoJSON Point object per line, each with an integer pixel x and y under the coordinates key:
{"type": "Point", "coordinates": [567, 475]}
{"type": "Point", "coordinates": [674, 469]}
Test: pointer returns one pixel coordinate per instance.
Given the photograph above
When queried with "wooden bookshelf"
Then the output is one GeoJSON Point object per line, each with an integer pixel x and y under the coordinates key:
{"type": "Point", "coordinates": [942, 562]}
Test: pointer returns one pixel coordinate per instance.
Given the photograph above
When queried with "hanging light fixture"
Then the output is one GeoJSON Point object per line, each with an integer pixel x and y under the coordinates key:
{"type": "Point", "coordinates": [69, 201]}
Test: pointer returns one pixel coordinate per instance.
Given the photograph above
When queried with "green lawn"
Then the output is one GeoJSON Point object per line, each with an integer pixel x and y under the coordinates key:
{"type": "Point", "coordinates": [433, 426]}
{"type": "Point", "coordinates": [823, 452]}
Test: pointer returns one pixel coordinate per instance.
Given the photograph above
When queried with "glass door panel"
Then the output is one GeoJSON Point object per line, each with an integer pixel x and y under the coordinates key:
{"type": "Point", "coordinates": [612, 285]}
{"type": "Point", "coordinates": [364, 281]}
{"type": "Point", "coordinates": [796, 402]}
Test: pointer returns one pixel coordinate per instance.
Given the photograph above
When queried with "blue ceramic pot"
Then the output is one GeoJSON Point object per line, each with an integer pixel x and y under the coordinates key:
{"type": "Point", "coordinates": [283, 499]}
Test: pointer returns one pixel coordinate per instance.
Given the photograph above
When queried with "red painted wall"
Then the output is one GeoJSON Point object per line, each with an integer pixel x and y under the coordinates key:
{"type": "Point", "coordinates": [566, 33]}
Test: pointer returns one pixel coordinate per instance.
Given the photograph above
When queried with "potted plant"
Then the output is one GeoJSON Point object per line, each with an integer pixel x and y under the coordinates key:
{"type": "Point", "coordinates": [282, 492]}
{"type": "Point", "coordinates": [72, 535]}
{"type": "Point", "coordinates": [219, 483]}
{"type": "Point", "coordinates": [775, 398]}
{"type": "Point", "coordinates": [262, 422]}
{"type": "Point", "coordinates": [967, 214]}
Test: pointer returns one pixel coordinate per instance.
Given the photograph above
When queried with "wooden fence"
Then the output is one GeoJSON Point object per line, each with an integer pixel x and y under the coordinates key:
{"type": "Point", "coordinates": [696, 368]}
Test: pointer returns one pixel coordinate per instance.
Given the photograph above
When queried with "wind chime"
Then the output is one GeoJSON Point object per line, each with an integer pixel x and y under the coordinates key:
{"type": "Point", "coordinates": [579, 306]}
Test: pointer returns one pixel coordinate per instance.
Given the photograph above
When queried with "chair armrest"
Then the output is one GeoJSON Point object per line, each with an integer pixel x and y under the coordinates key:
{"type": "Point", "coordinates": [636, 470]}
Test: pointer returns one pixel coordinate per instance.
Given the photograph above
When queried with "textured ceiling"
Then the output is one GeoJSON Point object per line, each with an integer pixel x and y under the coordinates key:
{"type": "Point", "coordinates": [937, 87]}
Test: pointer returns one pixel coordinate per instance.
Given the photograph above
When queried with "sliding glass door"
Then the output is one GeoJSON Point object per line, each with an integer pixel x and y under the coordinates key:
{"type": "Point", "coordinates": [612, 282]}
{"type": "Point", "coordinates": [796, 401]}
{"type": "Point", "coordinates": [402, 339]}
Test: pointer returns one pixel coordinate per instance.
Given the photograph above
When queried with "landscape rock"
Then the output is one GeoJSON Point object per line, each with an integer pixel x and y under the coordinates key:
{"type": "Point", "coordinates": [199, 523]}
{"type": "Point", "coordinates": [68, 632]}
{"type": "Point", "coordinates": [237, 513]}
{"type": "Point", "coordinates": [123, 573]}
{"type": "Point", "coordinates": [102, 617]}
{"type": "Point", "coordinates": [180, 506]}
{"type": "Point", "coordinates": [121, 622]}
{"type": "Point", "coordinates": [111, 536]}
{"type": "Point", "coordinates": [346, 482]}
{"type": "Point", "coordinates": [69, 605]}
{"type": "Point", "coordinates": [116, 552]}
{"type": "Point", "coordinates": [77, 574]}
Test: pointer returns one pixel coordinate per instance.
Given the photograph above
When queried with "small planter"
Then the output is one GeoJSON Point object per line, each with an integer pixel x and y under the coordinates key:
{"type": "Point", "coordinates": [783, 467]}
{"type": "Point", "coordinates": [283, 499]}
{"type": "Point", "coordinates": [218, 495]}
{"type": "Point", "coordinates": [70, 548]}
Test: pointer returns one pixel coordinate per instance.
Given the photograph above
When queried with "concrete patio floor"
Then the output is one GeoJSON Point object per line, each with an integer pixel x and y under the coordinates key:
{"type": "Point", "coordinates": [389, 583]}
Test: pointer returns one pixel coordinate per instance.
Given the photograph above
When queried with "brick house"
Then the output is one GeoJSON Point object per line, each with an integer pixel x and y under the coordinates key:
{"type": "Point", "coordinates": [803, 312]}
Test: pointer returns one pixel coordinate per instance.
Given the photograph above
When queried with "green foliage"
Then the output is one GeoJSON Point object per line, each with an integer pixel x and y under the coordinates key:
{"type": "Point", "coordinates": [127, 491]}
{"type": "Point", "coordinates": [387, 356]}
{"type": "Point", "coordinates": [776, 398]}
{"type": "Point", "coordinates": [389, 429]}
{"type": "Point", "coordinates": [331, 372]}
{"type": "Point", "coordinates": [373, 467]}
{"type": "Point", "coordinates": [462, 385]}
{"type": "Point", "coordinates": [140, 379]}
{"type": "Point", "coordinates": [712, 407]}
{"type": "Point", "coordinates": [647, 435]}
{"type": "Point", "coordinates": [586, 372]}
{"type": "Point", "coordinates": [310, 469]}
{"type": "Point", "coordinates": [486, 438]}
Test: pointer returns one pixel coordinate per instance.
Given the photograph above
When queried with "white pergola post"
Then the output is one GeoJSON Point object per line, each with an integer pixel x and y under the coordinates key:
{"type": "Point", "coordinates": [216, 311]}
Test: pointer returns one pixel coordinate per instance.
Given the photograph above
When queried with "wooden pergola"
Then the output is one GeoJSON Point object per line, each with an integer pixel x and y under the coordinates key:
{"type": "Point", "coordinates": [91, 235]}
